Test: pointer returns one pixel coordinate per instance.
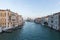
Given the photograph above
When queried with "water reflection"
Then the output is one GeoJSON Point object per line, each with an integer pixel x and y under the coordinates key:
{"type": "Point", "coordinates": [32, 31]}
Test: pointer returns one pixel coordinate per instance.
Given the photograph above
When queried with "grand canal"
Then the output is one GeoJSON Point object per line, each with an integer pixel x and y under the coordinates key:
{"type": "Point", "coordinates": [32, 31]}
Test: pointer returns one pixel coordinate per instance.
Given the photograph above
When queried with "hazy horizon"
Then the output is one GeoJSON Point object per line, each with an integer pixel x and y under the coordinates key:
{"type": "Point", "coordinates": [31, 8]}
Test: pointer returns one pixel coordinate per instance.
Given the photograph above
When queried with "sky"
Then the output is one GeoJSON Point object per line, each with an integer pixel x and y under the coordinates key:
{"type": "Point", "coordinates": [31, 8]}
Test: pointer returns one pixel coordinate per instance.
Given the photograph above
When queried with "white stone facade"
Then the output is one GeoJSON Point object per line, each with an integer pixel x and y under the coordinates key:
{"type": "Point", "coordinates": [43, 20]}
{"type": "Point", "coordinates": [50, 21]}
{"type": "Point", "coordinates": [54, 21]}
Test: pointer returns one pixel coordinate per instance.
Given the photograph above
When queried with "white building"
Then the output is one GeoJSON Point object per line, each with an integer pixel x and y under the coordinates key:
{"type": "Point", "coordinates": [54, 21]}
{"type": "Point", "coordinates": [44, 20]}
{"type": "Point", "coordinates": [50, 21]}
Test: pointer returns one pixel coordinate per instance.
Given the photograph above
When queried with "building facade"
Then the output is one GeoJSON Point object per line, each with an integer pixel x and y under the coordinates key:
{"type": "Point", "coordinates": [14, 19]}
{"type": "Point", "coordinates": [54, 21]}
{"type": "Point", "coordinates": [9, 20]}
{"type": "Point", "coordinates": [4, 19]}
{"type": "Point", "coordinates": [44, 20]}
{"type": "Point", "coordinates": [37, 20]}
{"type": "Point", "coordinates": [50, 21]}
{"type": "Point", "coordinates": [20, 20]}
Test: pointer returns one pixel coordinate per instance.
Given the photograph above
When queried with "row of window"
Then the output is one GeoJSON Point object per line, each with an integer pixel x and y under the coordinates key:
{"type": "Point", "coordinates": [4, 23]}
{"type": "Point", "coordinates": [4, 14]}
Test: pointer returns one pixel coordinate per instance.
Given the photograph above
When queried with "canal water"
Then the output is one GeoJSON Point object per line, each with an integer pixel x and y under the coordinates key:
{"type": "Point", "coordinates": [32, 31]}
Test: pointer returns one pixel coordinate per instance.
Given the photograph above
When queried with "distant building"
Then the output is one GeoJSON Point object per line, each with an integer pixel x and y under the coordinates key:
{"type": "Point", "coordinates": [29, 19]}
{"type": "Point", "coordinates": [20, 20]}
{"type": "Point", "coordinates": [52, 21]}
{"type": "Point", "coordinates": [37, 20]}
{"type": "Point", "coordinates": [44, 20]}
